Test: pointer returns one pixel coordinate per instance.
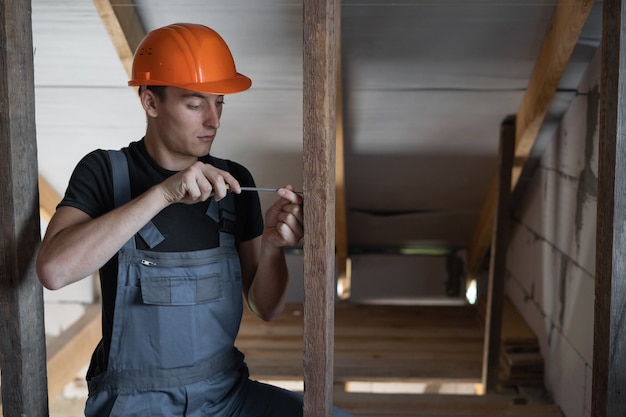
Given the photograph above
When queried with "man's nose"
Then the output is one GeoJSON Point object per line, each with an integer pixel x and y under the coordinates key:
{"type": "Point", "coordinates": [212, 117]}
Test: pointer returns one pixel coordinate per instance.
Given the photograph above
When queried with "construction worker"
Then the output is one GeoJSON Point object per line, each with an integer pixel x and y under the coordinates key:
{"type": "Point", "coordinates": [177, 244]}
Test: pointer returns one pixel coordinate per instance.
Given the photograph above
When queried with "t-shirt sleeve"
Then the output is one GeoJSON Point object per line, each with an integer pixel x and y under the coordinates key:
{"type": "Point", "coordinates": [90, 189]}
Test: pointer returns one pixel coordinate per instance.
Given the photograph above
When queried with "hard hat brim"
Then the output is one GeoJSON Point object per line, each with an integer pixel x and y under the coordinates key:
{"type": "Point", "coordinates": [234, 85]}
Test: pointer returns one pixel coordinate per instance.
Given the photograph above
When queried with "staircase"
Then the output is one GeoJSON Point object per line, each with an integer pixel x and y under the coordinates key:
{"type": "Point", "coordinates": [427, 346]}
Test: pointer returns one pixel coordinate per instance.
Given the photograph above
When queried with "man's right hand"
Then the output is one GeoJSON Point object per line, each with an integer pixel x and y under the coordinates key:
{"type": "Point", "coordinates": [197, 183]}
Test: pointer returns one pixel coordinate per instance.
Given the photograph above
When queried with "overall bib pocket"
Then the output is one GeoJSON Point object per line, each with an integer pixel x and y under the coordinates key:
{"type": "Point", "coordinates": [181, 291]}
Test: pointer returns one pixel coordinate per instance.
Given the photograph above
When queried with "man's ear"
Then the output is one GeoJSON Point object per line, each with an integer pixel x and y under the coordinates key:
{"type": "Point", "coordinates": [149, 102]}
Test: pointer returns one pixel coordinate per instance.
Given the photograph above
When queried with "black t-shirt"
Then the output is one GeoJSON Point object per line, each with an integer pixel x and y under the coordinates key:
{"type": "Point", "coordinates": [185, 227]}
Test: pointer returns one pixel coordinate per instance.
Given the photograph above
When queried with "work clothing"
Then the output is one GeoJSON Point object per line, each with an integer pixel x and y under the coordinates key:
{"type": "Point", "coordinates": [187, 227]}
{"type": "Point", "coordinates": [177, 315]}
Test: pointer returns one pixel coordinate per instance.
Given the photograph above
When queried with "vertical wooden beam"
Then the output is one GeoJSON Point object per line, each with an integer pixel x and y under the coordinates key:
{"type": "Point", "coordinates": [609, 349]}
{"type": "Point", "coordinates": [344, 270]}
{"type": "Point", "coordinates": [319, 55]}
{"type": "Point", "coordinates": [22, 343]}
{"type": "Point", "coordinates": [481, 239]}
{"type": "Point", "coordinates": [497, 265]}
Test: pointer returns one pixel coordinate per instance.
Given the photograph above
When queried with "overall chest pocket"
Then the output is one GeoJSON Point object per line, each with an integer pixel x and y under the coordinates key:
{"type": "Point", "coordinates": [181, 291]}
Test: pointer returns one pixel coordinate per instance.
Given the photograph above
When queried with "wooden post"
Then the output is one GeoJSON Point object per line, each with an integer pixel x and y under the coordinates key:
{"type": "Point", "coordinates": [497, 262]}
{"type": "Point", "coordinates": [319, 207]}
{"type": "Point", "coordinates": [609, 349]}
{"type": "Point", "coordinates": [344, 264]}
{"type": "Point", "coordinates": [22, 341]}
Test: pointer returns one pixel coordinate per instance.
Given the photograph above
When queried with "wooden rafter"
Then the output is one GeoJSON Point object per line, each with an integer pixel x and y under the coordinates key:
{"type": "Point", "coordinates": [125, 29]}
{"type": "Point", "coordinates": [68, 353]}
{"type": "Point", "coordinates": [567, 22]}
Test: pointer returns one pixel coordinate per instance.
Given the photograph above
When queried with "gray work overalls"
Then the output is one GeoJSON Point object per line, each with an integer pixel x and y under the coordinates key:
{"type": "Point", "coordinates": [176, 318]}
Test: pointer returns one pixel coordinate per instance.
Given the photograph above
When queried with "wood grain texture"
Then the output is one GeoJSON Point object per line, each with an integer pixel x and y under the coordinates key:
{"type": "Point", "coordinates": [377, 343]}
{"type": "Point", "coordinates": [22, 342]}
{"type": "Point", "coordinates": [567, 23]}
{"type": "Point", "coordinates": [609, 350]}
{"type": "Point", "coordinates": [372, 343]}
{"type": "Point", "coordinates": [434, 405]}
{"type": "Point", "coordinates": [319, 72]}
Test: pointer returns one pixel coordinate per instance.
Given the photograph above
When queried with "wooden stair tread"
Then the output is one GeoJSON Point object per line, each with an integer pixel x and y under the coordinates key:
{"type": "Point", "coordinates": [429, 405]}
{"type": "Point", "coordinates": [403, 343]}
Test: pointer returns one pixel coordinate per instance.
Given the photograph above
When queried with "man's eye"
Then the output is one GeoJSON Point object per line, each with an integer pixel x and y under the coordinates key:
{"type": "Point", "coordinates": [193, 107]}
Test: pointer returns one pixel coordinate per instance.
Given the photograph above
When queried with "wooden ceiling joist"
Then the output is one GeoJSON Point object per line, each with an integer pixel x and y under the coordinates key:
{"type": "Point", "coordinates": [124, 27]}
{"type": "Point", "coordinates": [567, 23]}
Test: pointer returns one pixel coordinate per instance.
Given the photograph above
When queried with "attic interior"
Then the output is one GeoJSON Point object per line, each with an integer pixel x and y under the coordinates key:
{"type": "Point", "coordinates": [426, 91]}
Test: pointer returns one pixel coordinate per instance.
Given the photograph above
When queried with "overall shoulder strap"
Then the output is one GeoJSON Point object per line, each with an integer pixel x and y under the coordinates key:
{"type": "Point", "coordinates": [226, 206]}
{"type": "Point", "coordinates": [223, 212]}
{"type": "Point", "coordinates": [121, 195]}
{"type": "Point", "coordinates": [120, 176]}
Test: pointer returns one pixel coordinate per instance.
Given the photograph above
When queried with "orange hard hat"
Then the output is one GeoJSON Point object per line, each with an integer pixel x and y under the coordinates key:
{"type": "Point", "coordinates": [189, 56]}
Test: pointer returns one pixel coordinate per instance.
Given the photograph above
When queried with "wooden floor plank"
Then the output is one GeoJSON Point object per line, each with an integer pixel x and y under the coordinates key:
{"type": "Point", "coordinates": [427, 344]}
{"type": "Point", "coordinates": [372, 343]}
{"type": "Point", "coordinates": [440, 405]}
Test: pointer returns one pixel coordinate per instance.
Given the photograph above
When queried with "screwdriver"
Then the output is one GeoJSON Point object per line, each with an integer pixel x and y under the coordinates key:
{"type": "Point", "coordinates": [271, 190]}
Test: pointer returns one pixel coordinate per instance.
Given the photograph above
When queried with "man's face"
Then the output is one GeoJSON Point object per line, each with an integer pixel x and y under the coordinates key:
{"type": "Point", "coordinates": [186, 121]}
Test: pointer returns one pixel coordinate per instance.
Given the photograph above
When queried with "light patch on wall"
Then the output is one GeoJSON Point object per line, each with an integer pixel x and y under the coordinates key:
{"type": "Point", "coordinates": [392, 387]}
{"type": "Point", "coordinates": [344, 281]}
{"type": "Point", "coordinates": [291, 385]}
{"type": "Point", "coordinates": [424, 251]}
{"type": "Point", "coordinates": [471, 293]}
{"type": "Point", "coordinates": [407, 387]}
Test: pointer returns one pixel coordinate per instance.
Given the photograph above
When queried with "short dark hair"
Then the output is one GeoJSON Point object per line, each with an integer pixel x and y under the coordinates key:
{"type": "Point", "coordinates": [158, 90]}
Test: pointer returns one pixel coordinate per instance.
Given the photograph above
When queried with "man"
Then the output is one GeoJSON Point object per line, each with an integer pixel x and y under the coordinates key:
{"type": "Point", "coordinates": [177, 244]}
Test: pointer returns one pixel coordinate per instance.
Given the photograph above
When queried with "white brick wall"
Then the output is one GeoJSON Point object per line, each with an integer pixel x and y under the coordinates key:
{"type": "Point", "coordinates": [551, 257]}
